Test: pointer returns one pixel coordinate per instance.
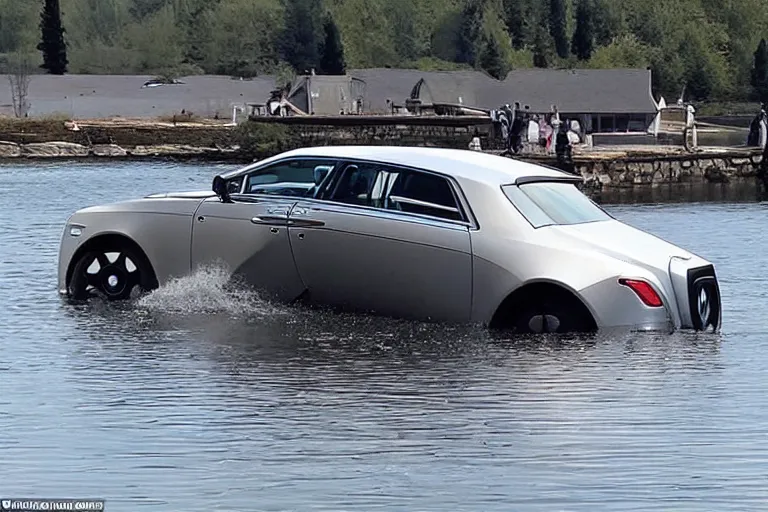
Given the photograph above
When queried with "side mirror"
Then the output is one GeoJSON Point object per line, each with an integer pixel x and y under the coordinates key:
{"type": "Point", "coordinates": [220, 188]}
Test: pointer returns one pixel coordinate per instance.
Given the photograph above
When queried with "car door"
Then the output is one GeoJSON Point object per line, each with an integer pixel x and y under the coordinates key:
{"type": "Point", "coordinates": [371, 243]}
{"type": "Point", "coordinates": [249, 235]}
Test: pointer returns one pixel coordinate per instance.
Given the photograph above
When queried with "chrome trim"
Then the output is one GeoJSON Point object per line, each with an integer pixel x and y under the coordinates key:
{"type": "Point", "coordinates": [270, 220]}
{"type": "Point", "coordinates": [393, 215]}
{"type": "Point", "coordinates": [408, 200]}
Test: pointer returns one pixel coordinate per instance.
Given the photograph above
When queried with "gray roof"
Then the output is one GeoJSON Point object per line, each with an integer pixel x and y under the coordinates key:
{"type": "Point", "coordinates": [581, 90]}
{"type": "Point", "coordinates": [94, 96]}
{"type": "Point", "coordinates": [397, 84]}
{"type": "Point", "coordinates": [573, 91]}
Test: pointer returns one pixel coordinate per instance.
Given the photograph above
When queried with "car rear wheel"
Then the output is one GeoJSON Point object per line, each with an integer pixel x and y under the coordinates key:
{"type": "Point", "coordinates": [547, 317]}
{"type": "Point", "coordinates": [543, 308]}
{"type": "Point", "coordinates": [113, 273]}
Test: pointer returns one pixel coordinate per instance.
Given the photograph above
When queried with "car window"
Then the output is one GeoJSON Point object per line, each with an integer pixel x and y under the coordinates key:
{"type": "Point", "coordinates": [548, 203]}
{"type": "Point", "coordinates": [356, 182]}
{"type": "Point", "coordinates": [391, 188]}
{"type": "Point", "coordinates": [300, 177]}
{"type": "Point", "coordinates": [423, 193]}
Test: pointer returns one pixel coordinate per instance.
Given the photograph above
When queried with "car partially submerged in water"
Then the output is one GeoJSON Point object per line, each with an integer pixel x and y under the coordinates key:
{"type": "Point", "coordinates": [417, 233]}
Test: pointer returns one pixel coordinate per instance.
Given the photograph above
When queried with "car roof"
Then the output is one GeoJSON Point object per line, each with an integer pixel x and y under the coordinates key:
{"type": "Point", "coordinates": [459, 163]}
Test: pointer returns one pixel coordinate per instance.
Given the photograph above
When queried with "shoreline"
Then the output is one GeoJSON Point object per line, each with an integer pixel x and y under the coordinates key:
{"type": "Point", "coordinates": [182, 138]}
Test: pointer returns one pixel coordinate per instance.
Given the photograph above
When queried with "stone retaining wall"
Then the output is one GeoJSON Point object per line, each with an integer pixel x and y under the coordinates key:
{"type": "Point", "coordinates": [696, 168]}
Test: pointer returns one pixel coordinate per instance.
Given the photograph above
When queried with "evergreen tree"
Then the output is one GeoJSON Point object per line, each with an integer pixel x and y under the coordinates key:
{"type": "Point", "coordinates": [300, 43]}
{"type": "Point", "coordinates": [760, 72]}
{"type": "Point", "coordinates": [543, 50]}
{"type": "Point", "coordinates": [198, 31]}
{"type": "Point", "coordinates": [491, 60]}
{"type": "Point", "coordinates": [332, 51]}
{"type": "Point", "coordinates": [558, 25]}
{"type": "Point", "coordinates": [582, 43]}
{"type": "Point", "coordinates": [52, 45]}
{"type": "Point", "coordinates": [607, 20]}
{"type": "Point", "coordinates": [406, 40]}
{"type": "Point", "coordinates": [514, 14]}
{"type": "Point", "coordinates": [469, 32]}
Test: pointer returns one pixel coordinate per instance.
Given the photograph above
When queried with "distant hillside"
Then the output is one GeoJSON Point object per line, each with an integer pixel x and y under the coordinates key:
{"type": "Point", "coordinates": [706, 46]}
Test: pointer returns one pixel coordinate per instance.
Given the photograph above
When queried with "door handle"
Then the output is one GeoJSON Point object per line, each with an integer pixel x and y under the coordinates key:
{"type": "Point", "coordinates": [270, 220]}
{"type": "Point", "coordinates": [305, 223]}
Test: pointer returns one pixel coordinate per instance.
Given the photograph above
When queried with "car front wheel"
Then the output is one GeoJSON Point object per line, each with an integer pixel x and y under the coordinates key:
{"type": "Point", "coordinates": [114, 273]}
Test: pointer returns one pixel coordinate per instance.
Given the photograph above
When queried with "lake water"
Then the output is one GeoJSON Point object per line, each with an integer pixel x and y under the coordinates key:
{"type": "Point", "coordinates": [198, 399]}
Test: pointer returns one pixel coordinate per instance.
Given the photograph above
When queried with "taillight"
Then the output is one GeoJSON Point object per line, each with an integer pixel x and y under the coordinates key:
{"type": "Point", "coordinates": [643, 290]}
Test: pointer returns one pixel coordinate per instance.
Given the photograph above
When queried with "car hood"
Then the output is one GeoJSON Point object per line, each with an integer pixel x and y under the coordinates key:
{"type": "Point", "coordinates": [176, 203]}
{"type": "Point", "coordinates": [625, 243]}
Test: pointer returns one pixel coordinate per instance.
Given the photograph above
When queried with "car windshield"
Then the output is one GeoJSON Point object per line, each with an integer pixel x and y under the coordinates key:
{"type": "Point", "coordinates": [547, 203]}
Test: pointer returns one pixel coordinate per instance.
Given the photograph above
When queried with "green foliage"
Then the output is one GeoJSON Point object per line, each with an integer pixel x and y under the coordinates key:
{"type": "Point", "coordinates": [760, 72]}
{"type": "Point", "coordinates": [491, 59]}
{"type": "Point", "coordinates": [543, 43]}
{"type": "Point", "coordinates": [702, 48]}
{"type": "Point", "coordinates": [558, 25]}
{"type": "Point", "coordinates": [582, 43]}
{"type": "Point", "coordinates": [260, 140]}
{"type": "Point", "coordinates": [300, 45]}
{"type": "Point", "coordinates": [470, 32]}
{"type": "Point", "coordinates": [332, 51]}
{"type": "Point", "coordinates": [52, 44]}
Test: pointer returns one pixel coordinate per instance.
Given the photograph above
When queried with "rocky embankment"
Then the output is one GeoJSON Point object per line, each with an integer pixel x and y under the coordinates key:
{"type": "Point", "coordinates": [116, 138]}
{"type": "Point", "coordinates": [12, 150]}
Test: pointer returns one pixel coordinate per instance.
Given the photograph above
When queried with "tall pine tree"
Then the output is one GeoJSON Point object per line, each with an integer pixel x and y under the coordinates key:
{"type": "Point", "coordinates": [557, 26]}
{"type": "Point", "coordinates": [760, 72]}
{"type": "Point", "coordinates": [470, 30]}
{"type": "Point", "coordinates": [543, 50]}
{"type": "Point", "coordinates": [583, 41]}
{"type": "Point", "coordinates": [491, 59]}
{"type": "Point", "coordinates": [332, 51]}
{"type": "Point", "coordinates": [52, 44]}
{"type": "Point", "coordinates": [516, 22]}
{"type": "Point", "coordinates": [300, 42]}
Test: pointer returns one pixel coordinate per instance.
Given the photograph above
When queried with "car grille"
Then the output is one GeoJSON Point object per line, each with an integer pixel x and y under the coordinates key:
{"type": "Point", "coordinates": [704, 298]}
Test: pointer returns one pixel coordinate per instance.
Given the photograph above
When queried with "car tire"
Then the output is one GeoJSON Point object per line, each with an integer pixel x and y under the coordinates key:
{"type": "Point", "coordinates": [120, 274]}
{"type": "Point", "coordinates": [543, 315]}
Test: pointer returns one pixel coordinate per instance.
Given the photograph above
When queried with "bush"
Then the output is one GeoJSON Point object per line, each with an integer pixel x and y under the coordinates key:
{"type": "Point", "coordinates": [261, 140]}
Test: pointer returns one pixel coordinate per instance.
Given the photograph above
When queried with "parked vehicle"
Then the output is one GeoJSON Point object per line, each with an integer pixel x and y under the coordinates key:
{"type": "Point", "coordinates": [420, 233]}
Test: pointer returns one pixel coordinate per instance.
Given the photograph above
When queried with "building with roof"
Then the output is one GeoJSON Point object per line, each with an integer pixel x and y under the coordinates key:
{"type": "Point", "coordinates": [328, 95]}
{"type": "Point", "coordinates": [602, 100]}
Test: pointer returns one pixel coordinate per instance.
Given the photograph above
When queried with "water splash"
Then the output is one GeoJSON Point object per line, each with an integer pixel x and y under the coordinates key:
{"type": "Point", "coordinates": [208, 290]}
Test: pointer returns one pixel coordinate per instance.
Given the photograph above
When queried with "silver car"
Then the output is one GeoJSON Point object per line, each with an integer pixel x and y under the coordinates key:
{"type": "Point", "coordinates": [419, 233]}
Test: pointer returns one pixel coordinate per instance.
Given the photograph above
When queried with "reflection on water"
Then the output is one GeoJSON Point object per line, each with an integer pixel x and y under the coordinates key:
{"type": "Point", "coordinates": [203, 396]}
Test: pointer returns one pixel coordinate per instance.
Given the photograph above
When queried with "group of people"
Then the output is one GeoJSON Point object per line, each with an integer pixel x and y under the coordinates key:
{"type": "Point", "coordinates": [547, 131]}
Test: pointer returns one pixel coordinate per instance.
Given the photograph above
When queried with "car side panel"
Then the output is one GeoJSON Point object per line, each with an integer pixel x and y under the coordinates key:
{"type": "Point", "coordinates": [251, 240]}
{"type": "Point", "coordinates": [164, 237]}
{"type": "Point", "coordinates": [393, 264]}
